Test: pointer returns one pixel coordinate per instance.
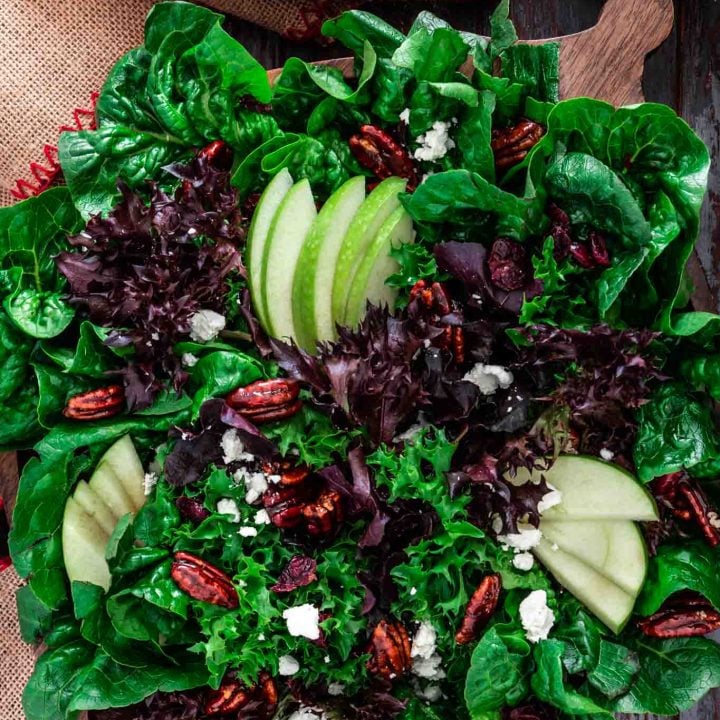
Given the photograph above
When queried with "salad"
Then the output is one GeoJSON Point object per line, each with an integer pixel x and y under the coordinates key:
{"type": "Point", "coordinates": [373, 397]}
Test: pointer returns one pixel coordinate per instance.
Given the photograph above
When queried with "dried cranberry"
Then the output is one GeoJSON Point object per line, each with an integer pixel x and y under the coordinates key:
{"type": "Point", "coordinates": [598, 249]}
{"type": "Point", "coordinates": [191, 509]}
{"type": "Point", "coordinates": [581, 255]}
{"type": "Point", "coordinates": [508, 265]}
{"type": "Point", "coordinates": [300, 571]}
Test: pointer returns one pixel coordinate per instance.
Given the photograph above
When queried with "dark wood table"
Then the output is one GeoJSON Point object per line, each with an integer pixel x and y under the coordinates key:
{"type": "Point", "coordinates": [683, 73]}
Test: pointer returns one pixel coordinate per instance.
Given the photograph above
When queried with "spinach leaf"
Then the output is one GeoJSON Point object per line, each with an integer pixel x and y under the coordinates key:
{"type": "Point", "coordinates": [675, 431]}
{"type": "Point", "coordinates": [55, 389]}
{"type": "Point", "coordinates": [355, 27]}
{"type": "Point", "coordinates": [58, 674]}
{"type": "Point", "coordinates": [674, 675]}
{"type": "Point", "coordinates": [474, 136]}
{"type": "Point", "coordinates": [615, 671]}
{"type": "Point", "coordinates": [690, 566]}
{"type": "Point", "coordinates": [549, 683]}
{"type": "Point", "coordinates": [502, 30]}
{"type": "Point", "coordinates": [31, 234]}
{"type": "Point", "coordinates": [184, 88]}
{"type": "Point", "coordinates": [432, 55]}
{"type": "Point", "coordinates": [536, 68]}
{"type": "Point", "coordinates": [498, 673]}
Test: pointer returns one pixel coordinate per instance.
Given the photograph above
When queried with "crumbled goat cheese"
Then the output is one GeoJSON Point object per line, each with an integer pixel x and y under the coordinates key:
{"type": "Point", "coordinates": [426, 660]}
{"type": "Point", "coordinates": [606, 454]}
{"type": "Point", "coordinates": [262, 518]}
{"type": "Point", "coordinates": [525, 539]}
{"type": "Point", "coordinates": [247, 531]}
{"type": "Point", "coordinates": [405, 116]}
{"type": "Point", "coordinates": [435, 143]}
{"type": "Point", "coordinates": [302, 621]}
{"type": "Point", "coordinates": [413, 592]}
{"type": "Point", "coordinates": [189, 360]}
{"type": "Point", "coordinates": [227, 506]}
{"type": "Point", "coordinates": [524, 561]}
{"type": "Point", "coordinates": [149, 482]}
{"type": "Point", "coordinates": [205, 325]}
{"type": "Point", "coordinates": [326, 659]}
{"type": "Point", "coordinates": [288, 665]}
{"type": "Point", "coordinates": [497, 524]}
{"type": "Point", "coordinates": [256, 483]}
{"type": "Point", "coordinates": [307, 714]}
{"type": "Point", "coordinates": [536, 617]}
{"type": "Point", "coordinates": [714, 520]}
{"type": "Point", "coordinates": [432, 693]}
{"type": "Point", "coordinates": [489, 377]}
{"type": "Point", "coordinates": [549, 500]}
{"type": "Point", "coordinates": [335, 689]}
{"type": "Point", "coordinates": [233, 448]}
{"type": "Point", "coordinates": [261, 637]}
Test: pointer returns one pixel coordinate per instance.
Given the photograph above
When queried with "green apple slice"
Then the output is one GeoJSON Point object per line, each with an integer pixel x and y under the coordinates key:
{"type": "Point", "coordinates": [288, 230]}
{"type": "Point", "coordinates": [257, 236]}
{"type": "Point", "coordinates": [594, 490]}
{"type": "Point", "coordinates": [95, 507]}
{"type": "Point", "coordinates": [609, 603]}
{"type": "Point", "coordinates": [312, 286]}
{"type": "Point", "coordinates": [614, 548]}
{"type": "Point", "coordinates": [84, 543]}
{"type": "Point", "coordinates": [376, 209]}
{"type": "Point", "coordinates": [108, 487]}
{"type": "Point", "coordinates": [377, 266]}
{"type": "Point", "coordinates": [123, 460]}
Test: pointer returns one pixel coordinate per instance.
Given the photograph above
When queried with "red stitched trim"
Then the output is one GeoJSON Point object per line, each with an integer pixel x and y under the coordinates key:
{"type": "Point", "coordinates": [44, 174]}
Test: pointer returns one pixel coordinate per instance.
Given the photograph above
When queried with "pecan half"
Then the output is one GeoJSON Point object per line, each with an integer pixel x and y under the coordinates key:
{"type": "Point", "coordinates": [233, 696]}
{"type": "Point", "coordinates": [266, 400]}
{"type": "Point", "coordinates": [324, 514]}
{"type": "Point", "coordinates": [284, 505]}
{"type": "Point", "coordinates": [512, 145]}
{"type": "Point", "coordinates": [480, 609]}
{"type": "Point", "coordinates": [684, 615]}
{"type": "Point", "coordinates": [379, 152]}
{"type": "Point", "coordinates": [203, 581]}
{"type": "Point", "coordinates": [96, 404]}
{"type": "Point", "coordinates": [389, 649]}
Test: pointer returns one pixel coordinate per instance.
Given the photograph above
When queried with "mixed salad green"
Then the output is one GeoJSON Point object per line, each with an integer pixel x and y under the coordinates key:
{"type": "Point", "coordinates": [542, 312]}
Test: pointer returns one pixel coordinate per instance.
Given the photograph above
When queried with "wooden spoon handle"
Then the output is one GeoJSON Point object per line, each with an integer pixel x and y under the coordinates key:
{"type": "Point", "coordinates": [608, 60]}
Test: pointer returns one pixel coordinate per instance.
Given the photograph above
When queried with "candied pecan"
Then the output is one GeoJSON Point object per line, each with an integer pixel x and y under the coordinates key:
{"type": "Point", "coordinates": [324, 514]}
{"type": "Point", "coordinates": [266, 400]}
{"type": "Point", "coordinates": [508, 265]}
{"type": "Point", "coordinates": [512, 145]}
{"type": "Point", "coordinates": [203, 581]}
{"type": "Point", "coordinates": [284, 505]}
{"type": "Point", "coordinates": [191, 509]}
{"type": "Point", "coordinates": [96, 404]}
{"type": "Point", "coordinates": [389, 649]}
{"type": "Point", "coordinates": [683, 615]}
{"type": "Point", "coordinates": [380, 153]}
{"type": "Point", "coordinates": [300, 571]}
{"type": "Point", "coordinates": [480, 609]}
{"type": "Point", "coordinates": [233, 697]}
{"type": "Point", "coordinates": [687, 501]}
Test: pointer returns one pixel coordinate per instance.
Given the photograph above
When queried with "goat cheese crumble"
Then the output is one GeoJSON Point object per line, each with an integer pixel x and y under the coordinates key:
{"type": "Point", "coordinates": [256, 483]}
{"type": "Point", "coordinates": [606, 454]}
{"type": "Point", "coordinates": [189, 360]}
{"type": "Point", "coordinates": [536, 617]}
{"type": "Point", "coordinates": [405, 116]}
{"type": "Point", "coordinates": [302, 621]}
{"type": "Point", "coordinates": [233, 448]}
{"type": "Point", "coordinates": [227, 506]}
{"type": "Point", "coordinates": [489, 377]}
{"type": "Point", "coordinates": [335, 689]}
{"type": "Point", "coordinates": [205, 325]}
{"type": "Point", "coordinates": [524, 561]}
{"type": "Point", "coordinates": [426, 660]}
{"type": "Point", "coordinates": [288, 665]}
{"type": "Point", "coordinates": [307, 714]}
{"type": "Point", "coordinates": [262, 517]}
{"type": "Point", "coordinates": [435, 143]}
{"type": "Point", "coordinates": [247, 531]}
{"type": "Point", "coordinates": [149, 482]}
{"type": "Point", "coordinates": [525, 539]}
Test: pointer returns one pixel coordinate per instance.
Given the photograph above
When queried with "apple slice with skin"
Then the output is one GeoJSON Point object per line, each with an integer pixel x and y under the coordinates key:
{"type": "Point", "coordinates": [123, 460]}
{"type": "Point", "coordinates": [289, 228]}
{"type": "Point", "coordinates": [614, 548]}
{"type": "Point", "coordinates": [84, 543]}
{"type": "Point", "coordinates": [108, 487]}
{"type": "Point", "coordinates": [95, 507]}
{"type": "Point", "coordinates": [376, 209]}
{"type": "Point", "coordinates": [312, 286]}
{"type": "Point", "coordinates": [594, 490]}
{"type": "Point", "coordinates": [609, 603]}
{"type": "Point", "coordinates": [377, 266]}
{"type": "Point", "coordinates": [265, 210]}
